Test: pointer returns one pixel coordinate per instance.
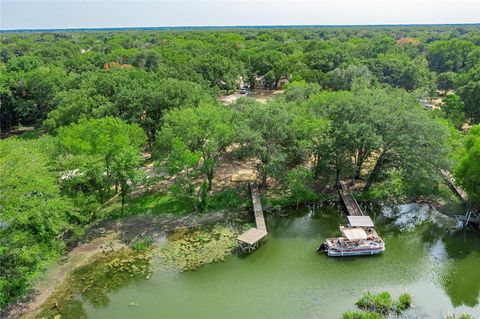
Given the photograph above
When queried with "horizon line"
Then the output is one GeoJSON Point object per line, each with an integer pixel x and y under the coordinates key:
{"type": "Point", "coordinates": [213, 27]}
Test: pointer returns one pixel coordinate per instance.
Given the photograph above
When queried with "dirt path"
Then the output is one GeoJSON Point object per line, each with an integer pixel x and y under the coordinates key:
{"type": "Point", "coordinates": [260, 95]}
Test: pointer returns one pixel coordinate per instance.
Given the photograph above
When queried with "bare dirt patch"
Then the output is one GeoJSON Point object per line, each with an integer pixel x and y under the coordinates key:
{"type": "Point", "coordinates": [261, 95]}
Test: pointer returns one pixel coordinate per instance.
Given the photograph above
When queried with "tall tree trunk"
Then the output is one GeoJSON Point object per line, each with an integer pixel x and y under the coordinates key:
{"type": "Point", "coordinates": [100, 194]}
{"type": "Point", "coordinates": [358, 168]}
{"type": "Point", "coordinates": [337, 177]}
{"type": "Point", "coordinates": [203, 197]}
{"type": "Point", "coordinates": [123, 195]}
{"type": "Point", "coordinates": [316, 166]}
{"type": "Point", "coordinates": [264, 179]}
{"type": "Point", "coordinates": [375, 171]}
{"type": "Point", "coordinates": [210, 178]}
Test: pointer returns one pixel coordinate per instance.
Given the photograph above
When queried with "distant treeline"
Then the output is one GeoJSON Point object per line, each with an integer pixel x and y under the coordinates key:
{"type": "Point", "coordinates": [41, 70]}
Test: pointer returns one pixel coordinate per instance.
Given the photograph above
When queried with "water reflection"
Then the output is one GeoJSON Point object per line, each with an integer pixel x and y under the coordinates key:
{"type": "Point", "coordinates": [456, 252]}
{"type": "Point", "coordinates": [462, 277]}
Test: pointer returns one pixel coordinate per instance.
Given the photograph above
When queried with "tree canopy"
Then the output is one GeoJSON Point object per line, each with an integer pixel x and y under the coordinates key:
{"type": "Point", "coordinates": [468, 169]}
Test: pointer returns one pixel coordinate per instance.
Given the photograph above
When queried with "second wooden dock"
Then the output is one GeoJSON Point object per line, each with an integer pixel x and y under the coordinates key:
{"type": "Point", "coordinates": [350, 203]}
{"type": "Point", "coordinates": [249, 240]}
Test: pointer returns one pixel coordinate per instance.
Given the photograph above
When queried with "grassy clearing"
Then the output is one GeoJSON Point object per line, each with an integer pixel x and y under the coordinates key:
{"type": "Point", "coordinates": [149, 203]}
{"type": "Point", "coordinates": [165, 203]}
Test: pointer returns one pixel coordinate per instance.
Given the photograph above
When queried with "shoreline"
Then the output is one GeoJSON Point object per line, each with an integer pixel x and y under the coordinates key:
{"type": "Point", "coordinates": [104, 237]}
{"type": "Point", "coordinates": [111, 235]}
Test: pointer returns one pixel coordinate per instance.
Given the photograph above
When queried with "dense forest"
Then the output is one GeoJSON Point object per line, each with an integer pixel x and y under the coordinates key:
{"type": "Point", "coordinates": [93, 102]}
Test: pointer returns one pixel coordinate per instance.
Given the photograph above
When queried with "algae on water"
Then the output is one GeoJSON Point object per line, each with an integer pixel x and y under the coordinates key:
{"type": "Point", "coordinates": [190, 249]}
{"type": "Point", "coordinates": [94, 281]}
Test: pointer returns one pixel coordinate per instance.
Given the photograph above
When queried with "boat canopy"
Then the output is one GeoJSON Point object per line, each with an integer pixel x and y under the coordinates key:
{"type": "Point", "coordinates": [354, 234]}
{"type": "Point", "coordinates": [360, 221]}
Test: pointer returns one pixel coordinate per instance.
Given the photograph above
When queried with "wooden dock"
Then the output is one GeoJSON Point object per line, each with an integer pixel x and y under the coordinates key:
{"type": "Point", "coordinates": [350, 203]}
{"type": "Point", "coordinates": [472, 215]}
{"type": "Point", "coordinates": [250, 240]}
{"type": "Point", "coordinates": [460, 192]}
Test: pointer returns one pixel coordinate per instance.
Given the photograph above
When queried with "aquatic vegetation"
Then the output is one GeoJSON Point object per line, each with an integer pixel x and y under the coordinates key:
{"type": "Point", "coordinates": [404, 302]}
{"type": "Point", "coordinates": [361, 315]}
{"type": "Point", "coordinates": [191, 249]}
{"type": "Point", "coordinates": [94, 281]}
{"type": "Point", "coordinates": [464, 316]}
{"type": "Point", "coordinates": [379, 306]}
{"type": "Point", "coordinates": [381, 303]}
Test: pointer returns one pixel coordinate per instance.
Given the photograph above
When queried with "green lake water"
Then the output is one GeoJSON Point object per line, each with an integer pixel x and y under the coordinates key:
{"type": "Point", "coordinates": [287, 278]}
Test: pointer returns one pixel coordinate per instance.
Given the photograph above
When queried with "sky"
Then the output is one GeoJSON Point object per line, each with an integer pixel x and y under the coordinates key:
{"type": "Point", "coordinates": [62, 14]}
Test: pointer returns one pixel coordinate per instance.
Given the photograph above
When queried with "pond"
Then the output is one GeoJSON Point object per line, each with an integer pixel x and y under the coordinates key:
{"type": "Point", "coordinates": [287, 278]}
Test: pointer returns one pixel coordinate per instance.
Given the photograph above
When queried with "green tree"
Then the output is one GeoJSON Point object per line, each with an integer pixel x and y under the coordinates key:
{"type": "Point", "coordinates": [469, 91]}
{"type": "Point", "coordinates": [32, 214]}
{"type": "Point", "coordinates": [300, 181]}
{"type": "Point", "coordinates": [183, 164]}
{"type": "Point", "coordinates": [218, 71]}
{"type": "Point", "coordinates": [453, 108]}
{"type": "Point", "coordinates": [400, 71]}
{"type": "Point", "coordinates": [7, 113]}
{"type": "Point", "coordinates": [448, 55]}
{"type": "Point", "coordinates": [170, 94]}
{"type": "Point", "coordinates": [446, 81]}
{"type": "Point", "coordinates": [148, 60]}
{"type": "Point", "coordinates": [299, 91]}
{"type": "Point", "coordinates": [97, 154]}
{"type": "Point", "coordinates": [350, 134]}
{"type": "Point", "coordinates": [35, 91]}
{"type": "Point", "coordinates": [263, 131]}
{"type": "Point", "coordinates": [418, 156]}
{"type": "Point", "coordinates": [467, 171]}
{"type": "Point", "coordinates": [206, 129]}
{"type": "Point", "coordinates": [343, 78]}
{"type": "Point", "coordinates": [74, 105]}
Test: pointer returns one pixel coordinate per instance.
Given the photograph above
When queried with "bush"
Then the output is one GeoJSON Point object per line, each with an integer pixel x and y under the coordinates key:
{"type": "Point", "coordinates": [226, 199]}
{"type": "Point", "coordinates": [464, 316]}
{"type": "Point", "coordinates": [361, 315]}
{"type": "Point", "coordinates": [300, 180]}
{"type": "Point", "coordinates": [383, 303]}
{"type": "Point", "coordinates": [404, 302]}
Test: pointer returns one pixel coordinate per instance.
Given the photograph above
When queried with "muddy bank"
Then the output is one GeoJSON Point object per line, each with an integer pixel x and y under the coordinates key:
{"type": "Point", "coordinates": [112, 236]}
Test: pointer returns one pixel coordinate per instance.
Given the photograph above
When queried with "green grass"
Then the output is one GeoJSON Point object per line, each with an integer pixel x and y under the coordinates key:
{"type": "Point", "coordinates": [166, 203]}
{"type": "Point", "coordinates": [286, 200]}
{"type": "Point", "coordinates": [154, 203]}
{"type": "Point", "coordinates": [226, 199]}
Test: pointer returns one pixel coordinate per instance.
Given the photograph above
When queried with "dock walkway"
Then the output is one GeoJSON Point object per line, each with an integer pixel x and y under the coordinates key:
{"type": "Point", "coordinates": [249, 240]}
{"type": "Point", "coordinates": [350, 203]}
{"type": "Point", "coordinates": [463, 195]}
{"type": "Point", "coordinates": [472, 215]}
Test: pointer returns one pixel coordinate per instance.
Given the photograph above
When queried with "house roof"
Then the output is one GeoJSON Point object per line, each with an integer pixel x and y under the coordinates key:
{"type": "Point", "coordinates": [360, 221]}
